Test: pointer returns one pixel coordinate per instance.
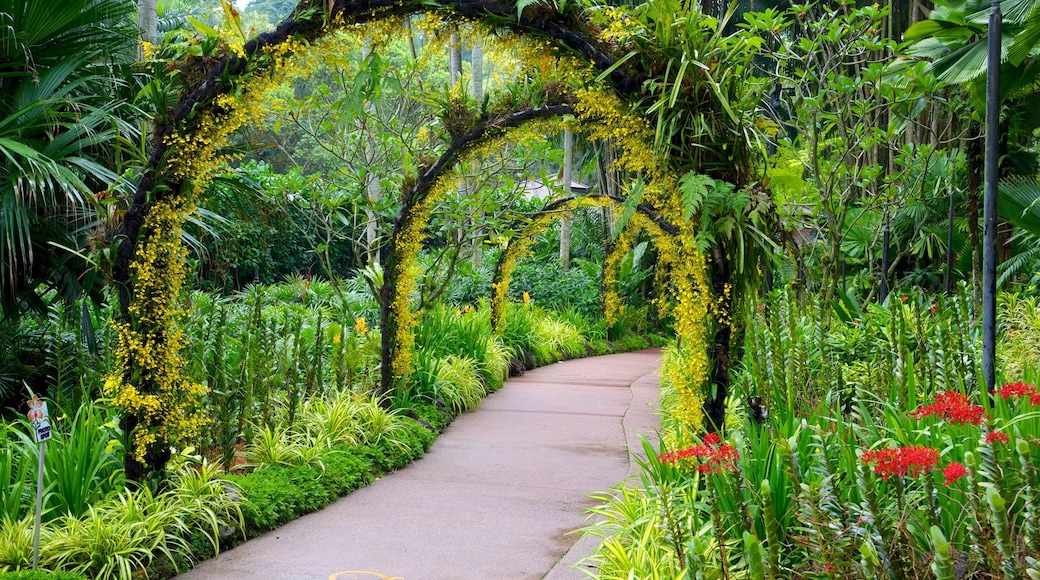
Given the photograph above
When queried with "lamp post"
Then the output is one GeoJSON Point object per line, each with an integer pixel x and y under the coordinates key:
{"type": "Point", "coordinates": [989, 214]}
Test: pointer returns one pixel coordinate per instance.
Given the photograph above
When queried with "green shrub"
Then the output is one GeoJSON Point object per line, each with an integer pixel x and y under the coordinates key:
{"type": "Point", "coordinates": [431, 415]}
{"type": "Point", "coordinates": [344, 471]}
{"type": "Point", "coordinates": [558, 339]}
{"type": "Point", "coordinates": [277, 494]}
{"type": "Point", "coordinates": [377, 456]}
{"type": "Point", "coordinates": [41, 575]}
{"type": "Point", "coordinates": [630, 342]}
{"type": "Point", "coordinates": [519, 335]}
{"type": "Point", "coordinates": [16, 542]}
{"type": "Point", "coordinates": [577, 288]}
{"type": "Point", "coordinates": [458, 384]}
{"type": "Point", "coordinates": [417, 439]}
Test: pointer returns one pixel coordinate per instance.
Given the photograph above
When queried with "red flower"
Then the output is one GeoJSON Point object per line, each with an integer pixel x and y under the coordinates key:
{"type": "Point", "coordinates": [1034, 399]}
{"type": "Point", "coordinates": [722, 458]}
{"type": "Point", "coordinates": [680, 454]}
{"type": "Point", "coordinates": [996, 436]}
{"type": "Point", "coordinates": [716, 457]}
{"type": "Point", "coordinates": [900, 461]}
{"type": "Point", "coordinates": [954, 471]}
{"type": "Point", "coordinates": [1018, 389]}
{"type": "Point", "coordinates": [954, 407]}
{"type": "Point", "coordinates": [903, 298]}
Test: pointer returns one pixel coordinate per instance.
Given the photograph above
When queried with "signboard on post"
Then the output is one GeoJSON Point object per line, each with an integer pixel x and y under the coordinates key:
{"type": "Point", "coordinates": [39, 419]}
{"type": "Point", "coordinates": [41, 426]}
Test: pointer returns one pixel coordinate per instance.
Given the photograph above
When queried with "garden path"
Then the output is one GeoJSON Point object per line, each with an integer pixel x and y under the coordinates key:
{"type": "Point", "coordinates": [498, 496]}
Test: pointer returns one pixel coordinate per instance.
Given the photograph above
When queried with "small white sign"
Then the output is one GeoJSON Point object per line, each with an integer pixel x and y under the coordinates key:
{"type": "Point", "coordinates": [39, 419]}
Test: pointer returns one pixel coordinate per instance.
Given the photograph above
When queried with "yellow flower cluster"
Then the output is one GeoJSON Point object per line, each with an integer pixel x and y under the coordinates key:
{"type": "Point", "coordinates": [611, 263]}
{"type": "Point", "coordinates": [604, 117]}
{"type": "Point", "coordinates": [690, 304]}
{"type": "Point", "coordinates": [615, 25]}
{"type": "Point", "coordinates": [152, 386]}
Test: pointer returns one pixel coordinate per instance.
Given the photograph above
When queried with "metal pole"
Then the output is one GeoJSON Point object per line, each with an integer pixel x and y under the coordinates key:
{"type": "Point", "coordinates": [39, 507]}
{"type": "Point", "coordinates": [989, 214]}
{"type": "Point", "coordinates": [948, 281]}
{"type": "Point", "coordinates": [886, 239]}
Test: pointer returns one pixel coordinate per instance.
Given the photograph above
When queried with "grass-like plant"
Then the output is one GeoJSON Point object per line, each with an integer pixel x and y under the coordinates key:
{"type": "Point", "coordinates": [16, 542]}
{"type": "Point", "coordinates": [15, 465]}
{"type": "Point", "coordinates": [118, 537]}
{"type": "Point", "coordinates": [458, 383]}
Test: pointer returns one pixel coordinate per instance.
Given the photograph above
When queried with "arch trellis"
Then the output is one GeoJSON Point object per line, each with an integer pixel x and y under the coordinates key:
{"type": "Point", "coordinates": [519, 245]}
{"type": "Point", "coordinates": [185, 152]}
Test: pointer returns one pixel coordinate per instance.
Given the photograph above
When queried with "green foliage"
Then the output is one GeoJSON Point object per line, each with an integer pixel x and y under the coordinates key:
{"type": "Point", "coordinates": [1019, 319]}
{"type": "Point", "coordinates": [805, 494]}
{"type": "Point", "coordinates": [715, 202]}
{"type": "Point", "coordinates": [542, 280]}
{"type": "Point", "coordinates": [81, 462]}
{"type": "Point", "coordinates": [458, 384]}
{"type": "Point", "coordinates": [429, 414]}
{"type": "Point", "coordinates": [64, 110]}
{"type": "Point", "coordinates": [41, 575]}
{"type": "Point", "coordinates": [444, 331]}
{"type": "Point", "coordinates": [277, 494]}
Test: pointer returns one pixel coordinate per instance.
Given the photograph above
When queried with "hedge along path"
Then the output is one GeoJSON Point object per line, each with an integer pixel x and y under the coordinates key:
{"type": "Point", "coordinates": [221, 95]}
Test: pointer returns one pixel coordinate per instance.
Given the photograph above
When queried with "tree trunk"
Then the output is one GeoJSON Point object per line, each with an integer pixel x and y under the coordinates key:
{"type": "Point", "coordinates": [372, 190]}
{"type": "Point", "coordinates": [454, 59]}
{"type": "Point", "coordinates": [147, 20]}
{"type": "Point", "coordinates": [565, 222]}
{"type": "Point", "coordinates": [477, 74]}
{"type": "Point", "coordinates": [715, 405]}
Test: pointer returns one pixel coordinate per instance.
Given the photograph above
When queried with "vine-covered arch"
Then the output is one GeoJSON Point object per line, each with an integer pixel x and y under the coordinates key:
{"type": "Point", "coordinates": [186, 152]}
{"type": "Point", "coordinates": [519, 245]}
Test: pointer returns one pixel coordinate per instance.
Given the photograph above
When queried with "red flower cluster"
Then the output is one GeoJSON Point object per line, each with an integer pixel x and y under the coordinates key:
{"type": "Point", "coordinates": [996, 437]}
{"type": "Point", "coordinates": [717, 457]}
{"type": "Point", "coordinates": [1019, 390]}
{"type": "Point", "coordinates": [954, 407]}
{"type": "Point", "coordinates": [954, 471]}
{"type": "Point", "coordinates": [900, 461]}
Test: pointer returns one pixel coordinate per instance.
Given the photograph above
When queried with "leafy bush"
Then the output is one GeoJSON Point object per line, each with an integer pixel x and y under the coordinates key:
{"type": "Point", "coordinates": [117, 537]}
{"type": "Point", "coordinates": [459, 383]}
{"type": "Point", "coordinates": [519, 332]}
{"type": "Point", "coordinates": [277, 494]}
{"type": "Point", "coordinates": [466, 333]}
{"type": "Point", "coordinates": [344, 471]}
{"type": "Point", "coordinates": [558, 339]}
{"type": "Point", "coordinates": [429, 414]}
{"type": "Point", "coordinates": [16, 542]}
{"type": "Point", "coordinates": [547, 285]}
{"type": "Point", "coordinates": [41, 575]}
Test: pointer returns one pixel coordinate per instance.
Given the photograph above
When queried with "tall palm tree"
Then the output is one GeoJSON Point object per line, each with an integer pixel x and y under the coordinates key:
{"type": "Point", "coordinates": [59, 70]}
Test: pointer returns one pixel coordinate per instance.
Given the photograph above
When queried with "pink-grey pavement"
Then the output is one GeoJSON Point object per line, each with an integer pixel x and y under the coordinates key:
{"type": "Point", "coordinates": [500, 494]}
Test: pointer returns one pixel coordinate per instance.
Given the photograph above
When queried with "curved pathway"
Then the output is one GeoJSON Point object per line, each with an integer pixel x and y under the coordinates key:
{"type": "Point", "coordinates": [498, 496]}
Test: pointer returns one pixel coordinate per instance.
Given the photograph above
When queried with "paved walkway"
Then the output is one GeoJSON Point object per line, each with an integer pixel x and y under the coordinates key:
{"type": "Point", "coordinates": [497, 497]}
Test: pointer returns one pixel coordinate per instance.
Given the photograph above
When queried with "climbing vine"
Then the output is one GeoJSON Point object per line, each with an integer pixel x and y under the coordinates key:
{"type": "Point", "coordinates": [160, 407]}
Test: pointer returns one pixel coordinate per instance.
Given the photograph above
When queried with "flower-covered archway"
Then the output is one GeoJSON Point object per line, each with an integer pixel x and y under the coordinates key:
{"type": "Point", "coordinates": [223, 94]}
